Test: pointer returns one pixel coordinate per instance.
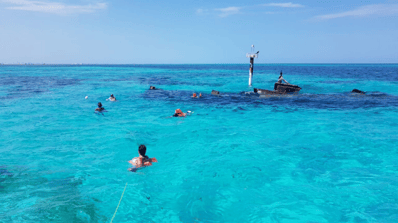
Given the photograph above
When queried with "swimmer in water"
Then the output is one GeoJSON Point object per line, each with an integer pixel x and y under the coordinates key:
{"type": "Point", "coordinates": [200, 95]}
{"type": "Point", "coordinates": [179, 113]}
{"type": "Point", "coordinates": [194, 95]}
{"type": "Point", "coordinates": [111, 98]}
{"type": "Point", "coordinates": [100, 108]}
{"type": "Point", "coordinates": [142, 160]}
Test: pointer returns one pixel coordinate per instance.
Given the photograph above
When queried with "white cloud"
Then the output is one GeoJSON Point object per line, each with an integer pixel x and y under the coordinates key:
{"type": "Point", "coordinates": [367, 10]}
{"type": "Point", "coordinates": [53, 7]}
{"type": "Point", "coordinates": [232, 10]}
{"type": "Point", "coordinates": [229, 11]}
{"type": "Point", "coordinates": [284, 5]}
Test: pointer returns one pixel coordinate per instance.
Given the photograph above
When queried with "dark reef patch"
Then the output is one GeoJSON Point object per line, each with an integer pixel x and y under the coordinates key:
{"type": "Point", "coordinates": [24, 86]}
{"type": "Point", "coordinates": [318, 101]}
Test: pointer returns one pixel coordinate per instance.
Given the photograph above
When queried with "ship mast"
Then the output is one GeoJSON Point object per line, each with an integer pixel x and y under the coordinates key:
{"type": "Point", "coordinates": [251, 55]}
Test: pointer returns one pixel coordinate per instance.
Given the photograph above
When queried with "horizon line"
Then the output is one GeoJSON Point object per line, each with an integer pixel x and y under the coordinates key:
{"type": "Point", "coordinates": [117, 64]}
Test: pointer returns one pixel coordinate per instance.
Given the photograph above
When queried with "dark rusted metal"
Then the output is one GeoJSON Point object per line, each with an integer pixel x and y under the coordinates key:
{"type": "Point", "coordinates": [214, 92]}
{"type": "Point", "coordinates": [279, 89]}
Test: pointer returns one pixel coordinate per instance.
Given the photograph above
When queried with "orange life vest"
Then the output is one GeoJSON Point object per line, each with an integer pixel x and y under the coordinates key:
{"type": "Point", "coordinates": [146, 163]}
{"type": "Point", "coordinates": [179, 113]}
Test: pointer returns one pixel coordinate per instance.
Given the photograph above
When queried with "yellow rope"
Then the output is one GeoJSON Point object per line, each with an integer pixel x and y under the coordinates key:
{"type": "Point", "coordinates": [119, 203]}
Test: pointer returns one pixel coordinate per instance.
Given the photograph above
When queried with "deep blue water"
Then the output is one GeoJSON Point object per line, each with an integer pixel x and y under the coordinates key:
{"type": "Point", "coordinates": [324, 155]}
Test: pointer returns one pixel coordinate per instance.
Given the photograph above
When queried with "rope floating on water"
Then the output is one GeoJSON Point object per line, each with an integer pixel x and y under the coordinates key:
{"type": "Point", "coordinates": [119, 203]}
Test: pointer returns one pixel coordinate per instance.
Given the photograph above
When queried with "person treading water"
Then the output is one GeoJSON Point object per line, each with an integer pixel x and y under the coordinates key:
{"type": "Point", "coordinates": [100, 108]}
{"type": "Point", "coordinates": [111, 98]}
{"type": "Point", "coordinates": [280, 79]}
{"type": "Point", "coordinates": [142, 160]}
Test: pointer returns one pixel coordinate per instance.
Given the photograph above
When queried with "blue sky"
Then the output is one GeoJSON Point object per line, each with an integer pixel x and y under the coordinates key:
{"type": "Point", "coordinates": [200, 31]}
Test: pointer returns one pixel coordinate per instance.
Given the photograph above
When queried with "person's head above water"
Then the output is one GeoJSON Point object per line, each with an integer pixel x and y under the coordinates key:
{"type": "Point", "coordinates": [179, 113]}
{"type": "Point", "coordinates": [142, 151]}
{"type": "Point", "coordinates": [112, 96]}
{"type": "Point", "coordinates": [281, 74]}
{"type": "Point", "coordinates": [99, 105]}
{"type": "Point", "coordinates": [200, 94]}
{"type": "Point", "coordinates": [142, 161]}
{"type": "Point", "coordinates": [194, 95]}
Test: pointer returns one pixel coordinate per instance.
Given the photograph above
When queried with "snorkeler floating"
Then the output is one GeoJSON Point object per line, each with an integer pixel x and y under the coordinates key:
{"type": "Point", "coordinates": [142, 160]}
{"type": "Point", "coordinates": [179, 113]}
{"type": "Point", "coordinates": [111, 98]}
{"type": "Point", "coordinates": [196, 96]}
{"type": "Point", "coordinates": [100, 108]}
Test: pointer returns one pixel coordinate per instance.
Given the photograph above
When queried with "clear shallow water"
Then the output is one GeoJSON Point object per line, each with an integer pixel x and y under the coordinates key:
{"type": "Point", "coordinates": [323, 156]}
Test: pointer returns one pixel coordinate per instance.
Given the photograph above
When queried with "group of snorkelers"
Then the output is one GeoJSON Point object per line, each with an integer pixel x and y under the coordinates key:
{"type": "Point", "coordinates": [195, 96]}
{"type": "Point", "coordinates": [143, 160]}
{"type": "Point", "coordinates": [102, 109]}
{"type": "Point", "coordinates": [177, 113]}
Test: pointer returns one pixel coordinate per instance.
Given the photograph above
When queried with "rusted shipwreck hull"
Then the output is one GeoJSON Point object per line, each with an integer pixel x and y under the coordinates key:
{"type": "Point", "coordinates": [279, 89]}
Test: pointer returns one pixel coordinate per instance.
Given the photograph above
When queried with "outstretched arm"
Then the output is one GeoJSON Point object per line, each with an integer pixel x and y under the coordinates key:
{"type": "Point", "coordinates": [285, 81]}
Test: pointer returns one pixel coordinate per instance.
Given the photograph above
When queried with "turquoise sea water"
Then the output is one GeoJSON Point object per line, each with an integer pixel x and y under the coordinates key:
{"type": "Point", "coordinates": [324, 155]}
